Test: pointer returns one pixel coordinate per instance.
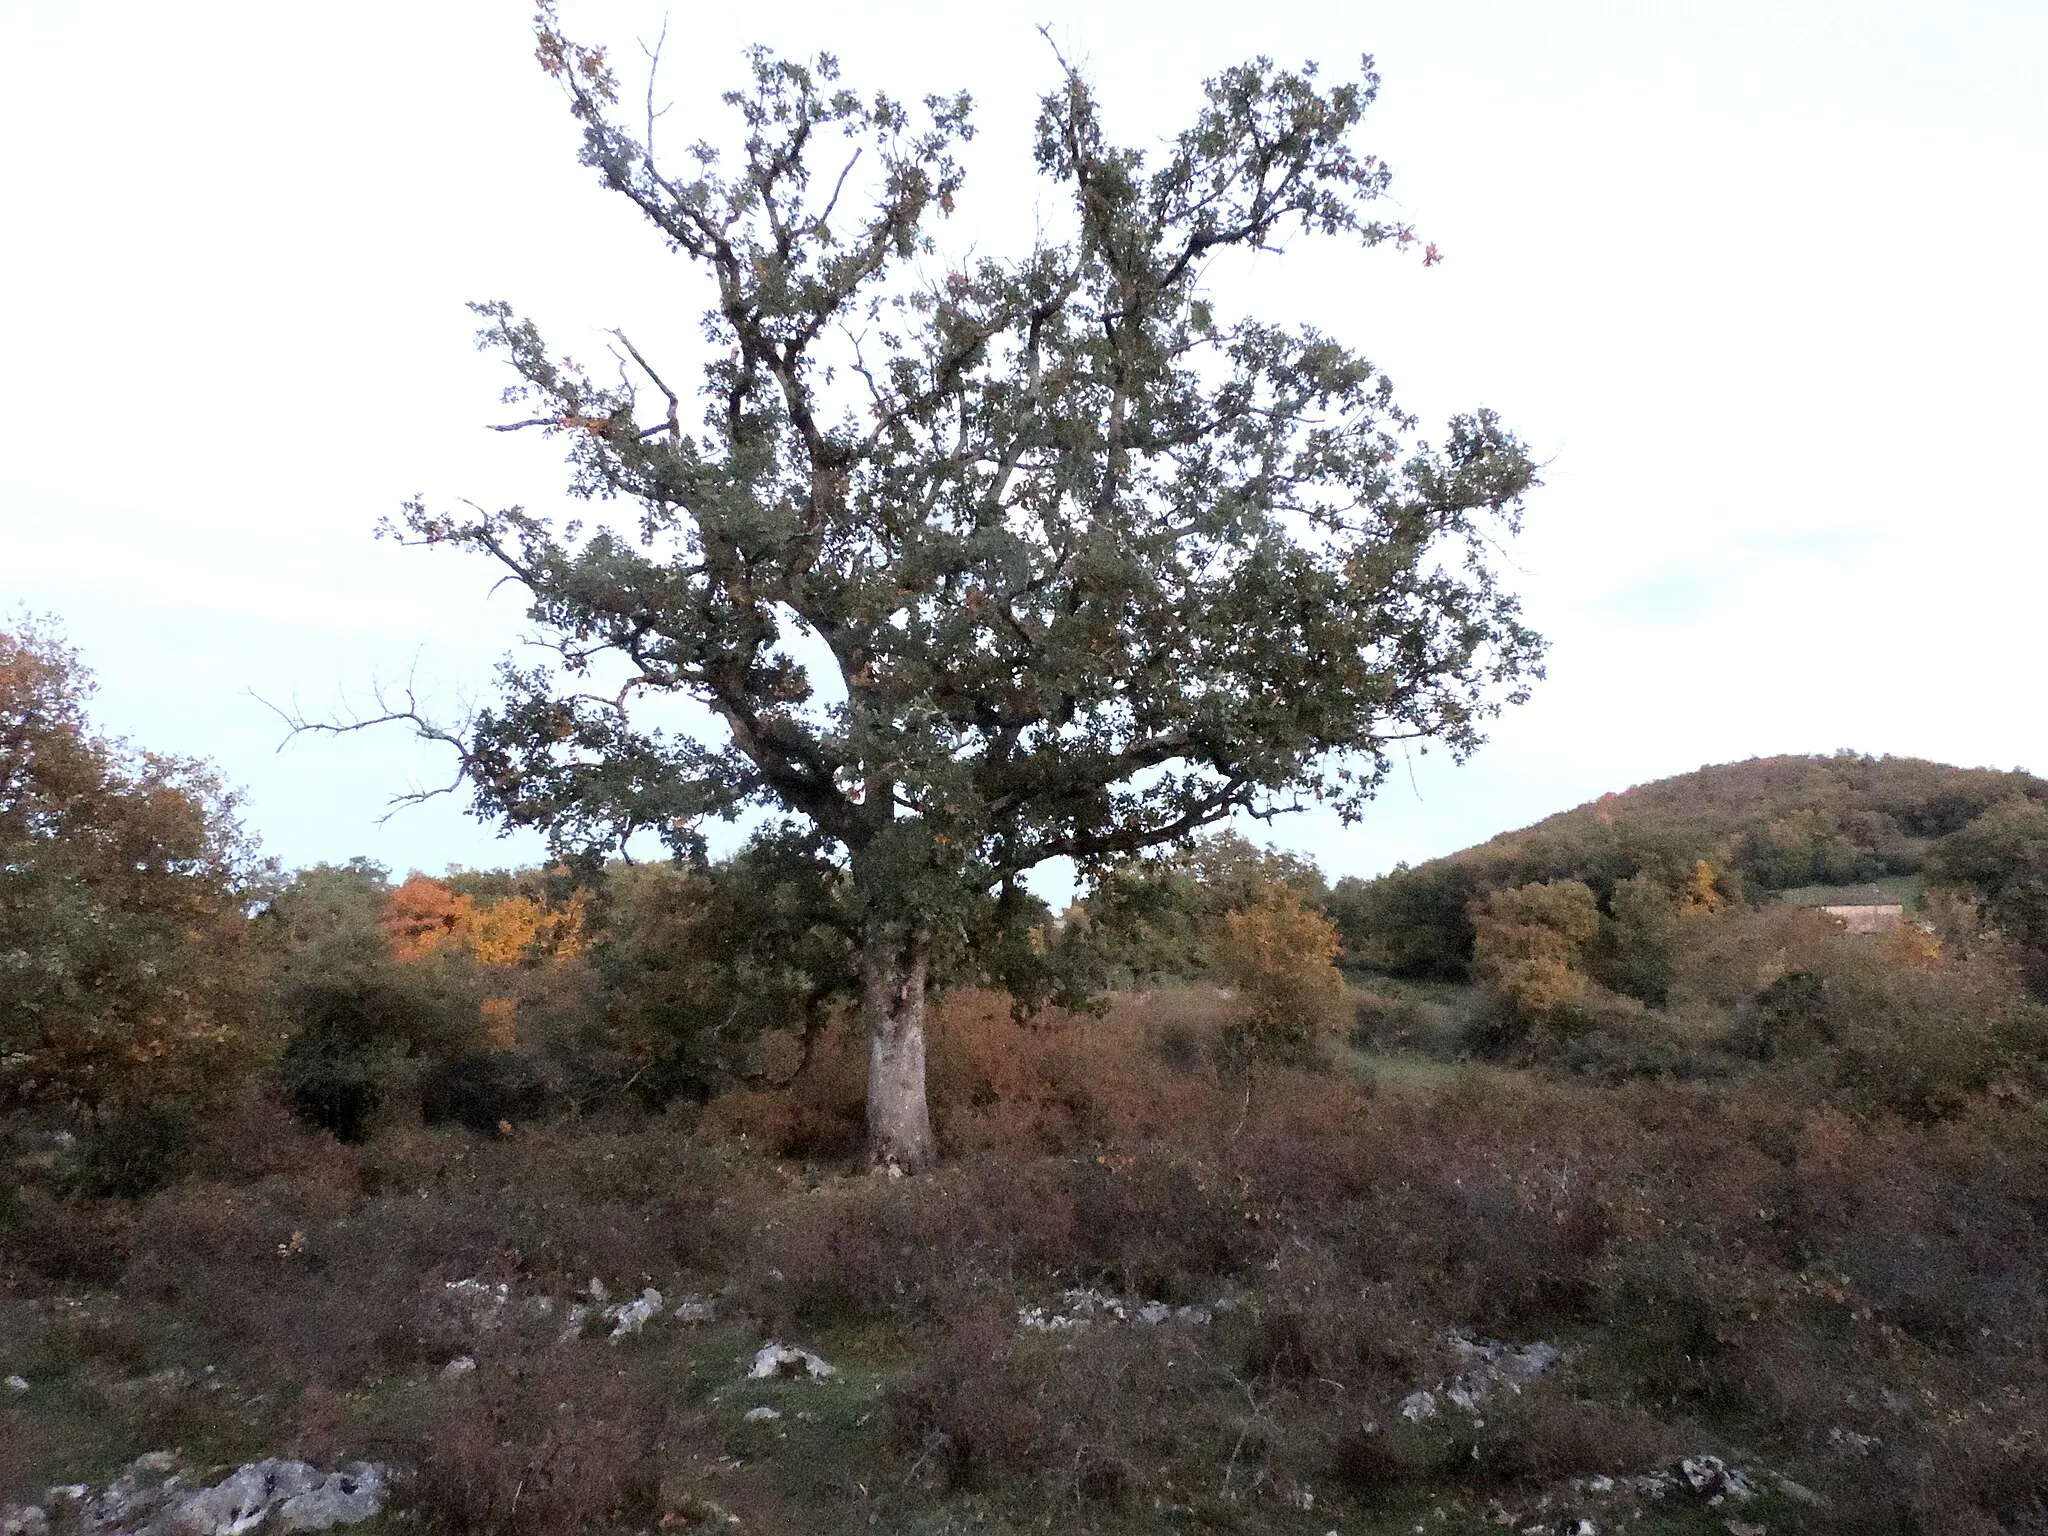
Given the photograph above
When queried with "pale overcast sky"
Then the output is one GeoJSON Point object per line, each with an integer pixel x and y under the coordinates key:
{"type": "Point", "coordinates": [1762, 283]}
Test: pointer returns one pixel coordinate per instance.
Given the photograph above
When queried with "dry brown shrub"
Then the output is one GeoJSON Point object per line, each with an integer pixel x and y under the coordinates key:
{"type": "Point", "coordinates": [818, 1115]}
{"type": "Point", "coordinates": [860, 1248]}
{"type": "Point", "coordinates": [998, 1084]}
{"type": "Point", "coordinates": [52, 1241]}
{"type": "Point", "coordinates": [255, 1136]}
{"type": "Point", "coordinates": [970, 1408]}
{"type": "Point", "coordinates": [1309, 1143]}
{"type": "Point", "coordinates": [1154, 1224]}
{"type": "Point", "coordinates": [1098, 1420]}
{"type": "Point", "coordinates": [1543, 1436]}
{"type": "Point", "coordinates": [541, 1447]}
{"type": "Point", "coordinates": [1049, 1084]}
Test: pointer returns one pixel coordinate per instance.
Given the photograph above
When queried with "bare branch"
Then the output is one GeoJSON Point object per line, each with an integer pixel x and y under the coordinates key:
{"type": "Point", "coordinates": [673, 424]}
{"type": "Point", "coordinates": [409, 713]}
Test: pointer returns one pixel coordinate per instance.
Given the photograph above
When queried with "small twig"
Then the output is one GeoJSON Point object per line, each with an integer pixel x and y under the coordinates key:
{"type": "Point", "coordinates": [932, 1442]}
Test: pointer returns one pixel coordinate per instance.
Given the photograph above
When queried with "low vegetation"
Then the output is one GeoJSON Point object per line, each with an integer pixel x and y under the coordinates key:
{"type": "Point", "coordinates": [348, 1168]}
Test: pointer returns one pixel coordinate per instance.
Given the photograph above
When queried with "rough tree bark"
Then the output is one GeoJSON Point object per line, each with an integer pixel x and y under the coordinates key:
{"type": "Point", "coordinates": [894, 967]}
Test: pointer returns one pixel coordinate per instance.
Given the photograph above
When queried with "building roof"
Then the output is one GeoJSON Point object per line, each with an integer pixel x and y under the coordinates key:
{"type": "Point", "coordinates": [1852, 896]}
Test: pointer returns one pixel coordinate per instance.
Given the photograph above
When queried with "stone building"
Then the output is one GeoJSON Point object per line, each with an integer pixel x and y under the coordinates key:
{"type": "Point", "coordinates": [1863, 909]}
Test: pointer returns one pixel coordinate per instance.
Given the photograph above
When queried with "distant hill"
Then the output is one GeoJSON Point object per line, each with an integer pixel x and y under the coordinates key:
{"type": "Point", "coordinates": [1766, 825]}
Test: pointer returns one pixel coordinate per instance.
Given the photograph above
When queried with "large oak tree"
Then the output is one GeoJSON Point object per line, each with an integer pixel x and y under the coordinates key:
{"type": "Point", "coordinates": [979, 562]}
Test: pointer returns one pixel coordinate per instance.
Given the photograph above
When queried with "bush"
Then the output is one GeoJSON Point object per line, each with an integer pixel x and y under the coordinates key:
{"type": "Point", "coordinates": [1637, 950]}
{"type": "Point", "coordinates": [1531, 946]}
{"type": "Point", "coordinates": [549, 1447]}
{"type": "Point", "coordinates": [134, 1151]}
{"type": "Point", "coordinates": [968, 1408]}
{"type": "Point", "coordinates": [124, 885]}
{"type": "Point", "coordinates": [483, 1091]}
{"type": "Point", "coordinates": [356, 1013]}
{"type": "Point", "coordinates": [333, 1086]}
{"type": "Point", "coordinates": [1373, 1463]}
{"type": "Point", "coordinates": [65, 1241]}
{"type": "Point", "coordinates": [1280, 955]}
{"type": "Point", "coordinates": [1152, 919]}
{"type": "Point", "coordinates": [699, 962]}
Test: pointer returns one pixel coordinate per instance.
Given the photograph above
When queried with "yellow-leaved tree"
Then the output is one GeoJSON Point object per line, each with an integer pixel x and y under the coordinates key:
{"type": "Point", "coordinates": [1280, 955]}
{"type": "Point", "coordinates": [1531, 943]}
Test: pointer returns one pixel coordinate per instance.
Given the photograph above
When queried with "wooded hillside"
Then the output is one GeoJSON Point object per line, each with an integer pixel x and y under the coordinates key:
{"type": "Point", "coordinates": [1762, 826]}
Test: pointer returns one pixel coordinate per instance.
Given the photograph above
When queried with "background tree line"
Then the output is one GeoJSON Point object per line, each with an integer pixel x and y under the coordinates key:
{"type": "Point", "coordinates": [152, 960]}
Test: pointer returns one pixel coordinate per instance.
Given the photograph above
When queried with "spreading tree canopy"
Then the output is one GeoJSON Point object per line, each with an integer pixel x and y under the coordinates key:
{"type": "Point", "coordinates": [125, 883]}
{"type": "Point", "coordinates": [980, 561]}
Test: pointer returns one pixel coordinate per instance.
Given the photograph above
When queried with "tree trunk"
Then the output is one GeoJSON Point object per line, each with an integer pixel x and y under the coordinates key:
{"type": "Point", "coordinates": [893, 969]}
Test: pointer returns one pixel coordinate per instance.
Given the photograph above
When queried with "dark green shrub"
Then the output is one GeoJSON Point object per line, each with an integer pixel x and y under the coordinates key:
{"type": "Point", "coordinates": [483, 1091]}
{"type": "Point", "coordinates": [133, 1150]}
{"type": "Point", "coordinates": [354, 1011]}
{"type": "Point", "coordinates": [334, 1086]}
{"type": "Point", "coordinates": [1787, 1018]}
{"type": "Point", "coordinates": [1371, 1462]}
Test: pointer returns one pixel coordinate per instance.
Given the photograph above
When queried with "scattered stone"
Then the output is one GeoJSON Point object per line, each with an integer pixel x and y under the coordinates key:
{"type": "Point", "coordinates": [17, 1383]}
{"type": "Point", "coordinates": [572, 1329]}
{"type": "Point", "coordinates": [1848, 1440]}
{"type": "Point", "coordinates": [598, 1293]}
{"type": "Point", "coordinates": [1038, 1320]}
{"type": "Point", "coordinates": [631, 1316]}
{"type": "Point", "coordinates": [695, 1309]}
{"type": "Point", "coordinates": [762, 1414]}
{"type": "Point", "coordinates": [461, 1365]}
{"type": "Point", "coordinates": [340, 1498]}
{"type": "Point", "coordinates": [137, 1492]}
{"type": "Point", "coordinates": [151, 1497]}
{"type": "Point", "coordinates": [24, 1520]}
{"type": "Point", "coordinates": [1081, 1308]}
{"type": "Point", "coordinates": [240, 1501]}
{"type": "Point", "coordinates": [693, 1510]}
{"type": "Point", "coordinates": [774, 1360]}
{"type": "Point", "coordinates": [1744, 1528]}
{"type": "Point", "coordinates": [1712, 1479]}
{"type": "Point", "coordinates": [479, 1305]}
{"type": "Point", "coordinates": [1488, 1366]}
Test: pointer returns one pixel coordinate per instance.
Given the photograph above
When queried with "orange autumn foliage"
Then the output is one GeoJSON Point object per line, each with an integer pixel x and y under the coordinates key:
{"type": "Point", "coordinates": [424, 917]}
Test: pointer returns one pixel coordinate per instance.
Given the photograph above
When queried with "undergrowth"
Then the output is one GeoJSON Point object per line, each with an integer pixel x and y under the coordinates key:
{"type": "Point", "coordinates": [1837, 1294]}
